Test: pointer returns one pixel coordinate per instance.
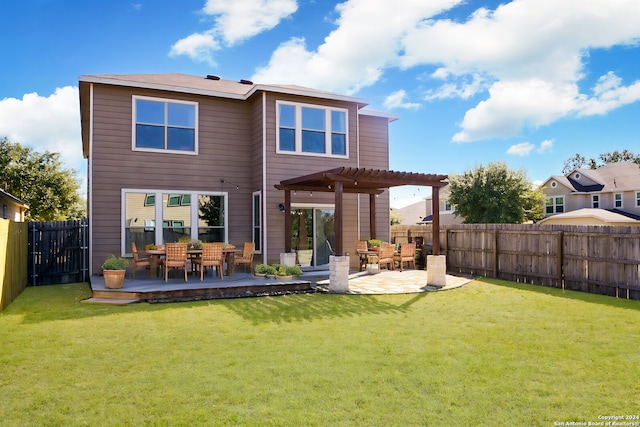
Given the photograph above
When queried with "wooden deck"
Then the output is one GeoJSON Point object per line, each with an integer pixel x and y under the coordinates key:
{"type": "Point", "coordinates": [155, 289]}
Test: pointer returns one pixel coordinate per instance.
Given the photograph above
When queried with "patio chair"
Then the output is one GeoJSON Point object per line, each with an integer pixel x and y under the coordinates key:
{"type": "Point", "coordinates": [175, 257]}
{"type": "Point", "coordinates": [247, 255]}
{"type": "Point", "coordinates": [211, 257]}
{"type": "Point", "coordinates": [138, 261]}
{"type": "Point", "coordinates": [361, 250]}
{"type": "Point", "coordinates": [385, 256]}
{"type": "Point", "coordinates": [407, 254]}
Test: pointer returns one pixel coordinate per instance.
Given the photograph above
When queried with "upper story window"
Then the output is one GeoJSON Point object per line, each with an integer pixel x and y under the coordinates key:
{"type": "Point", "coordinates": [595, 201]}
{"type": "Point", "coordinates": [555, 205]}
{"type": "Point", "coordinates": [312, 129]}
{"type": "Point", "coordinates": [637, 199]}
{"type": "Point", "coordinates": [165, 125]}
{"type": "Point", "coordinates": [617, 200]}
{"type": "Point", "coordinates": [448, 207]}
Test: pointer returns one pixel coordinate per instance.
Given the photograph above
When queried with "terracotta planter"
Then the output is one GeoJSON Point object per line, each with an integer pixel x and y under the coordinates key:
{"type": "Point", "coordinates": [113, 279]}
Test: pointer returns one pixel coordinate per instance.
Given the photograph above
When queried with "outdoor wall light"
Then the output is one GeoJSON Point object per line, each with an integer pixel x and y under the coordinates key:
{"type": "Point", "coordinates": [281, 207]}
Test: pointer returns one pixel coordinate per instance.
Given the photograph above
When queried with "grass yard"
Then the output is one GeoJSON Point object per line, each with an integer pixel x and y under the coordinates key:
{"type": "Point", "coordinates": [490, 353]}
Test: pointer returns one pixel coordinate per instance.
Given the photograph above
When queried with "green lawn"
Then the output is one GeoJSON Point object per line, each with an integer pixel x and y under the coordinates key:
{"type": "Point", "coordinates": [490, 353]}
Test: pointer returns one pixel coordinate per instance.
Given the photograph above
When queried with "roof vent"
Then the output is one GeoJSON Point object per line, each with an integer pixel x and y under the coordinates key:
{"type": "Point", "coordinates": [212, 77]}
{"type": "Point", "coordinates": [246, 82]}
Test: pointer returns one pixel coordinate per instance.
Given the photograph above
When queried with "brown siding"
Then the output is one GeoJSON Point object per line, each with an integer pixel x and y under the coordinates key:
{"type": "Point", "coordinates": [224, 153]}
{"type": "Point", "coordinates": [231, 136]}
{"type": "Point", "coordinates": [374, 154]}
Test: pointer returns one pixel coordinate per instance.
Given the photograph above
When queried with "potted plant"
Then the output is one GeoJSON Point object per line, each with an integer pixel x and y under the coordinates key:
{"type": "Point", "coordinates": [271, 271]}
{"type": "Point", "coordinates": [260, 270]}
{"type": "Point", "coordinates": [113, 270]}
{"type": "Point", "coordinates": [293, 270]}
{"type": "Point", "coordinates": [281, 274]}
{"type": "Point", "coordinates": [374, 244]}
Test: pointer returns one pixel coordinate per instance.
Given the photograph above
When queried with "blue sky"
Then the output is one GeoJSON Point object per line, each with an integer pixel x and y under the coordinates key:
{"type": "Point", "coordinates": [528, 82]}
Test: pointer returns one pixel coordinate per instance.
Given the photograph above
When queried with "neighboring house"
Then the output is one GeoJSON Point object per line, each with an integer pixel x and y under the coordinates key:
{"type": "Point", "coordinates": [611, 188]}
{"type": "Point", "coordinates": [422, 213]}
{"type": "Point", "coordinates": [447, 210]}
{"type": "Point", "coordinates": [175, 155]}
{"type": "Point", "coordinates": [12, 207]}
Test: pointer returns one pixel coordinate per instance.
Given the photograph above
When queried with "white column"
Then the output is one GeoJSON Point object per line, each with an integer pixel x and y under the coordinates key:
{"type": "Point", "coordinates": [437, 270]}
{"type": "Point", "coordinates": [339, 274]}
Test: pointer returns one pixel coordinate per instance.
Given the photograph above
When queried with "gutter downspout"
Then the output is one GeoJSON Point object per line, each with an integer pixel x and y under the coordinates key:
{"type": "Point", "coordinates": [90, 180]}
{"type": "Point", "coordinates": [263, 212]}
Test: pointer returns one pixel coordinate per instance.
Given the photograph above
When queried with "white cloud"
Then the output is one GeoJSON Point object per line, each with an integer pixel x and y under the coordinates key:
{"type": "Point", "coordinates": [524, 46]}
{"type": "Point", "coordinates": [608, 94]}
{"type": "Point", "coordinates": [545, 146]}
{"type": "Point", "coordinates": [522, 149]}
{"type": "Point", "coordinates": [234, 21]}
{"type": "Point", "coordinates": [526, 57]}
{"type": "Point", "coordinates": [397, 100]}
{"type": "Point", "coordinates": [526, 148]}
{"type": "Point", "coordinates": [367, 40]}
{"type": "Point", "coordinates": [199, 47]}
{"type": "Point", "coordinates": [46, 124]}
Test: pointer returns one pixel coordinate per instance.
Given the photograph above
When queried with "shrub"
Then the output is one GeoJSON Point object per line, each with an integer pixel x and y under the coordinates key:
{"type": "Point", "coordinates": [261, 269]}
{"type": "Point", "coordinates": [293, 270]}
{"type": "Point", "coordinates": [113, 263]}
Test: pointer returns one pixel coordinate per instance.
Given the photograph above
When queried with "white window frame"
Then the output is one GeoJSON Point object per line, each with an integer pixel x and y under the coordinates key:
{"type": "Point", "coordinates": [256, 203]}
{"type": "Point", "coordinates": [124, 250]}
{"type": "Point", "coordinates": [554, 205]}
{"type": "Point", "coordinates": [595, 201]}
{"type": "Point", "coordinates": [637, 199]}
{"type": "Point", "coordinates": [134, 122]}
{"type": "Point", "coordinates": [448, 207]}
{"type": "Point", "coordinates": [616, 200]}
{"type": "Point", "coordinates": [328, 131]}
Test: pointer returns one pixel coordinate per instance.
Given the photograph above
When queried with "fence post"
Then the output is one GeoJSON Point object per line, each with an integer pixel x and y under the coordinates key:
{"type": "Point", "coordinates": [560, 260]}
{"type": "Point", "coordinates": [495, 254]}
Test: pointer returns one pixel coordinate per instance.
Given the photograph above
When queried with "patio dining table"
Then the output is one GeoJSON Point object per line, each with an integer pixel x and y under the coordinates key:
{"type": "Point", "coordinates": [156, 254]}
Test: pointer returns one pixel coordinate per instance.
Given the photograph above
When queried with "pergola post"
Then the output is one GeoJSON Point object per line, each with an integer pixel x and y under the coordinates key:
{"type": "Point", "coordinates": [287, 221]}
{"type": "Point", "coordinates": [338, 215]}
{"type": "Point", "coordinates": [435, 231]}
{"type": "Point", "coordinates": [372, 216]}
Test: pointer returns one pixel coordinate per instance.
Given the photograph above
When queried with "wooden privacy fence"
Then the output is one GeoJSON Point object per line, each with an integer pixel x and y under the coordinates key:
{"type": "Point", "coordinates": [58, 252]}
{"type": "Point", "coordinates": [13, 260]}
{"type": "Point", "coordinates": [596, 259]}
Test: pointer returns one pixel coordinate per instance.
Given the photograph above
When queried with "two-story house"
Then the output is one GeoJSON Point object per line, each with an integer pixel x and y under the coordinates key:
{"type": "Point", "coordinates": [608, 195]}
{"type": "Point", "coordinates": [175, 155]}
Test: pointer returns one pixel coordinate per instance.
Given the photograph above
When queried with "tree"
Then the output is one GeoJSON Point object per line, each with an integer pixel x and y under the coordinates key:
{"type": "Point", "coordinates": [580, 162]}
{"type": "Point", "coordinates": [395, 217]}
{"type": "Point", "coordinates": [39, 180]}
{"type": "Point", "coordinates": [495, 194]}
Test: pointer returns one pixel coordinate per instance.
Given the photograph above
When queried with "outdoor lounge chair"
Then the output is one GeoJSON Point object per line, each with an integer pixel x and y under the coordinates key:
{"type": "Point", "coordinates": [211, 257]}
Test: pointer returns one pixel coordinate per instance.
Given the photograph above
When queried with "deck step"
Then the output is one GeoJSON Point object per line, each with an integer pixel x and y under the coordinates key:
{"type": "Point", "coordinates": [112, 301]}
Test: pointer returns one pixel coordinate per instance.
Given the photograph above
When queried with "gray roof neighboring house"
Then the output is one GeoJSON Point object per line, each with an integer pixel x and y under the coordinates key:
{"type": "Point", "coordinates": [611, 177]}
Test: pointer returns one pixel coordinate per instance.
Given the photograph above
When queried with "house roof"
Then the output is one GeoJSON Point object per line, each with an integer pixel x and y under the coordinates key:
{"type": "Point", "coordinates": [601, 216]}
{"type": "Point", "coordinates": [13, 199]}
{"type": "Point", "coordinates": [211, 86]}
{"type": "Point", "coordinates": [611, 177]}
{"type": "Point", "coordinates": [360, 180]}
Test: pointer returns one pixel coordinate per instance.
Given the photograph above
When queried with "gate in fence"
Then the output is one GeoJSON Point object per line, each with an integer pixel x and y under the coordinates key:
{"type": "Point", "coordinates": [58, 252]}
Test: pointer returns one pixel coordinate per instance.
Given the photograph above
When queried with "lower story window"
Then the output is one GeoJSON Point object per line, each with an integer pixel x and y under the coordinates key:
{"type": "Point", "coordinates": [159, 223]}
